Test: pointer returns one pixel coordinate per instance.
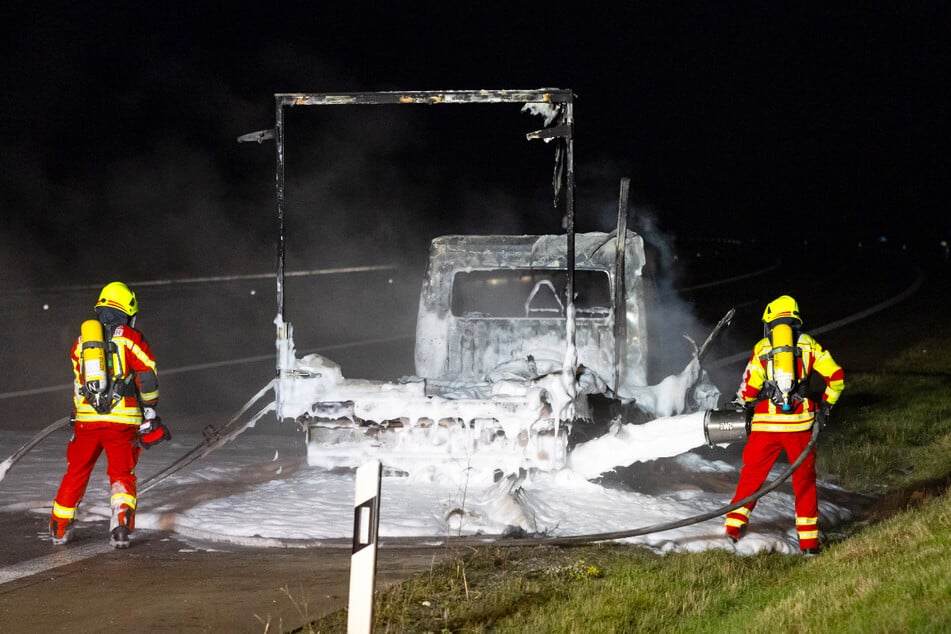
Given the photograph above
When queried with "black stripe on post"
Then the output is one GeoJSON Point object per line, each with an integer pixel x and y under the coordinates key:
{"type": "Point", "coordinates": [365, 524]}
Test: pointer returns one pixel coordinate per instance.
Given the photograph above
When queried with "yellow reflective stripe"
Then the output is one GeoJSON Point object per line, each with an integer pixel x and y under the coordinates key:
{"type": "Point", "coordinates": [825, 364]}
{"type": "Point", "coordinates": [777, 427]}
{"type": "Point", "coordinates": [806, 527]}
{"type": "Point", "coordinates": [771, 417]}
{"type": "Point", "coordinates": [133, 417]}
{"type": "Point", "coordinates": [64, 512]}
{"type": "Point", "coordinates": [833, 390]}
{"type": "Point", "coordinates": [150, 396]}
{"type": "Point", "coordinates": [755, 373]}
{"type": "Point", "coordinates": [120, 407]}
{"type": "Point", "coordinates": [745, 512]}
{"type": "Point", "coordinates": [110, 419]}
{"type": "Point", "coordinates": [125, 414]}
{"type": "Point", "coordinates": [735, 523]}
{"type": "Point", "coordinates": [756, 378]}
{"type": "Point", "coordinates": [122, 498]}
{"type": "Point", "coordinates": [137, 351]}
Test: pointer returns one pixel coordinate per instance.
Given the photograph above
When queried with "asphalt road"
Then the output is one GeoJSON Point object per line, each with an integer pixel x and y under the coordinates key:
{"type": "Point", "coordinates": [167, 584]}
{"type": "Point", "coordinates": [224, 331]}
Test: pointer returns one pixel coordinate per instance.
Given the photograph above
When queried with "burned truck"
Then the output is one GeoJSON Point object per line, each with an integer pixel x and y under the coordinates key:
{"type": "Point", "coordinates": [491, 386]}
{"type": "Point", "coordinates": [519, 339]}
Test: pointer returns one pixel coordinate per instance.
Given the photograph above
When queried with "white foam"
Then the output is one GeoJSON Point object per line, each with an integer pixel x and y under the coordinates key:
{"type": "Point", "coordinates": [260, 486]}
{"type": "Point", "coordinates": [628, 444]}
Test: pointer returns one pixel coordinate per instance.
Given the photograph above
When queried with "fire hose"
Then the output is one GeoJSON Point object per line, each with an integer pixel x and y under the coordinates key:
{"type": "Point", "coordinates": [580, 540]}
{"type": "Point", "coordinates": [213, 439]}
{"type": "Point", "coordinates": [32, 442]}
{"type": "Point", "coordinates": [575, 540]}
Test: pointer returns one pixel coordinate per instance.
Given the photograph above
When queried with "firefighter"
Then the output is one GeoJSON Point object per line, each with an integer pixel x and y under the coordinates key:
{"type": "Point", "coordinates": [775, 390]}
{"type": "Point", "coordinates": [114, 397]}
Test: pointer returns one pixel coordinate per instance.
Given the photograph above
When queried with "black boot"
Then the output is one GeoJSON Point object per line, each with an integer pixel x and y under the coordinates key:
{"type": "Point", "coordinates": [123, 520]}
{"type": "Point", "coordinates": [119, 537]}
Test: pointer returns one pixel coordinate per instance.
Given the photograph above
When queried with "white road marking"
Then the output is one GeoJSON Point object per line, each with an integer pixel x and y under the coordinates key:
{"type": "Point", "coordinates": [727, 280]}
{"type": "Point", "coordinates": [62, 556]}
{"type": "Point", "coordinates": [838, 323]}
{"type": "Point", "coordinates": [219, 364]}
{"type": "Point", "coordinates": [218, 278]}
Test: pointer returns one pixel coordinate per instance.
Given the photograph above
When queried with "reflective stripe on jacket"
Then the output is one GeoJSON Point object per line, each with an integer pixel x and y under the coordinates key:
{"type": "Point", "coordinates": [767, 416]}
{"type": "Point", "coordinates": [131, 360]}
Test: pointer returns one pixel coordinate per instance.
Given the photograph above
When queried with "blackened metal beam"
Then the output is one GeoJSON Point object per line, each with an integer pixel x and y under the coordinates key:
{"type": "Point", "coordinates": [620, 307]}
{"type": "Point", "coordinates": [279, 191]}
{"type": "Point", "coordinates": [432, 97]}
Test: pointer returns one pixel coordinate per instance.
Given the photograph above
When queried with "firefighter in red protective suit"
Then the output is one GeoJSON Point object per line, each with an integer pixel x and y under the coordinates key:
{"type": "Point", "coordinates": [775, 387]}
{"type": "Point", "coordinates": [115, 394]}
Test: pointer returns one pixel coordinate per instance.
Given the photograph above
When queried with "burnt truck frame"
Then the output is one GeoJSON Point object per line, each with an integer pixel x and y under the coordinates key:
{"type": "Point", "coordinates": [596, 340]}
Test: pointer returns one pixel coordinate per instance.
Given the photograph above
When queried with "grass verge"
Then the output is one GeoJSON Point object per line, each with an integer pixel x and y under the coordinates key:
{"type": "Point", "coordinates": [891, 438]}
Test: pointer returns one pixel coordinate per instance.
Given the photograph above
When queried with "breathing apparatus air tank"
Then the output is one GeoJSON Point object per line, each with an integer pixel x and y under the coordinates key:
{"type": "Point", "coordinates": [784, 368]}
{"type": "Point", "coordinates": [94, 368]}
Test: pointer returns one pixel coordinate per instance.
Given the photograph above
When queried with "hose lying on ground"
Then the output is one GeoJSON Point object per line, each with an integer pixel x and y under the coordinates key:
{"type": "Point", "coordinates": [696, 519]}
{"type": "Point", "coordinates": [214, 438]}
{"type": "Point", "coordinates": [22, 451]}
{"type": "Point", "coordinates": [485, 540]}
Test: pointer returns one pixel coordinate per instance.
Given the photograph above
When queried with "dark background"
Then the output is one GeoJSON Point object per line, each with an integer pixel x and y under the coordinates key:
{"type": "Point", "coordinates": [733, 120]}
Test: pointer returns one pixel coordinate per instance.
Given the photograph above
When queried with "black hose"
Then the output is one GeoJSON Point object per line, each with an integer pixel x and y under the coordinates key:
{"type": "Point", "coordinates": [572, 540]}
{"type": "Point", "coordinates": [696, 519]}
{"type": "Point", "coordinates": [213, 439]}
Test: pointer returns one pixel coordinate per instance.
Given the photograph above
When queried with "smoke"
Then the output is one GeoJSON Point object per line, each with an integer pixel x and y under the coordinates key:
{"type": "Point", "coordinates": [181, 216]}
{"type": "Point", "coordinates": [670, 316]}
{"type": "Point", "coordinates": [379, 182]}
{"type": "Point", "coordinates": [139, 177]}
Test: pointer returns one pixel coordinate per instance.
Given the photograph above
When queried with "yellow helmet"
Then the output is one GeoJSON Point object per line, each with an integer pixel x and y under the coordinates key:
{"type": "Point", "coordinates": [783, 307]}
{"type": "Point", "coordinates": [119, 296]}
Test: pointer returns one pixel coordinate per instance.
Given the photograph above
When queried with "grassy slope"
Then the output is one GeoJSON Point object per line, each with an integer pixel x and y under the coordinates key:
{"type": "Point", "coordinates": [891, 437]}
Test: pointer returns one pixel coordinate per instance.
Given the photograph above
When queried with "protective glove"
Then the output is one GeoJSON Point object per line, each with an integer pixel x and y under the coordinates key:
{"type": "Point", "coordinates": [152, 431]}
{"type": "Point", "coordinates": [150, 416]}
{"type": "Point", "coordinates": [822, 414]}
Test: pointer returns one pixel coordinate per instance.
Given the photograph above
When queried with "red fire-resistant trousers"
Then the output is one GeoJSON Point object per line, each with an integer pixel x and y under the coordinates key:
{"type": "Point", "coordinates": [89, 440]}
{"type": "Point", "coordinates": [761, 451]}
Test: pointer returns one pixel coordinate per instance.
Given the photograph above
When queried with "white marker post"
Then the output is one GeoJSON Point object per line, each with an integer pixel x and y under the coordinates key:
{"type": "Point", "coordinates": [366, 524]}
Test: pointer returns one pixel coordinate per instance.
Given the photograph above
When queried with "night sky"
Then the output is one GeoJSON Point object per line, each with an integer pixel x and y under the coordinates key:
{"type": "Point", "coordinates": [732, 120]}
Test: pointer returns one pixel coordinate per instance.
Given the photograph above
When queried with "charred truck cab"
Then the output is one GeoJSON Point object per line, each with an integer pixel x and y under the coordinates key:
{"type": "Point", "coordinates": [491, 302]}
